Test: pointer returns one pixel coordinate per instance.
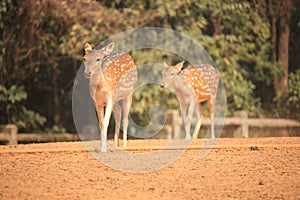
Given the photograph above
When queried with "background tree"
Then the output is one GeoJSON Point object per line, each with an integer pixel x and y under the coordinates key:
{"type": "Point", "coordinates": [278, 16]}
{"type": "Point", "coordinates": [255, 45]}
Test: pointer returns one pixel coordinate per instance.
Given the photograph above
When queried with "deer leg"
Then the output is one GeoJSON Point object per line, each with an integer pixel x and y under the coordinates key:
{"type": "Point", "coordinates": [199, 117]}
{"type": "Point", "coordinates": [188, 121]}
{"type": "Point", "coordinates": [100, 117]}
{"type": "Point", "coordinates": [117, 114]}
{"type": "Point", "coordinates": [211, 110]}
{"type": "Point", "coordinates": [183, 115]}
{"type": "Point", "coordinates": [108, 111]}
{"type": "Point", "coordinates": [100, 114]}
{"type": "Point", "coordinates": [126, 107]}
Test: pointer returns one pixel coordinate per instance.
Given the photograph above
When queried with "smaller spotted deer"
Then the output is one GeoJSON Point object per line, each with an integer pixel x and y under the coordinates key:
{"type": "Point", "coordinates": [193, 85]}
{"type": "Point", "coordinates": [112, 79]}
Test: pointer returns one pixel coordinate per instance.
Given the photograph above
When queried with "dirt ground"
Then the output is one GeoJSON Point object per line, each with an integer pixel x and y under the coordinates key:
{"type": "Point", "coordinates": [271, 170]}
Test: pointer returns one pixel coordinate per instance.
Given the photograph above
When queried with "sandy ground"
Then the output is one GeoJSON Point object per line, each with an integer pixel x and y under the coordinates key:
{"type": "Point", "coordinates": [230, 171]}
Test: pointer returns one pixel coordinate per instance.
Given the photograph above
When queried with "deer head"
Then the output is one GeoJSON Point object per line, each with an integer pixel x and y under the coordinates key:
{"type": "Point", "coordinates": [93, 58]}
{"type": "Point", "coordinates": [170, 74]}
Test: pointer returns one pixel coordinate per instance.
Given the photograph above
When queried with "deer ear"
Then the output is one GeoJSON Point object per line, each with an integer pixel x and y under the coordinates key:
{"type": "Point", "coordinates": [87, 48]}
{"type": "Point", "coordinates": [109, 48]}
{"type": "Point", "coordinates": [178, 67]}
{"type": "Point", "coordinates": [165, 64]}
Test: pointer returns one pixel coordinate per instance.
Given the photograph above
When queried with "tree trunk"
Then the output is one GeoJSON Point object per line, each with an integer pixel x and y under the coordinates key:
{"type": "Point", "coordinates": [281, 83]}
{"type": "Point", "coordinates": [55, 90]}
{"type": "Point", "coordinates": [272, 18]}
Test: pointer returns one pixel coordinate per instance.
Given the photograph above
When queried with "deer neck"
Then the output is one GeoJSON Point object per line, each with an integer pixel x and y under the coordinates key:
{"type": "Point", "coordinates": [97, 84]}
{"type": "Point", "coordinates": [178, 82]}
{"type": "Point", "coordinates": [183, 89]}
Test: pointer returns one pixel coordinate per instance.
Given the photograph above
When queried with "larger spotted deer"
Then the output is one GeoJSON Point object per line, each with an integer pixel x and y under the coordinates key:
{"type": "Point", "coordinates": [112, 79]}
{"type": "Point", "coordinates": [193, 85]}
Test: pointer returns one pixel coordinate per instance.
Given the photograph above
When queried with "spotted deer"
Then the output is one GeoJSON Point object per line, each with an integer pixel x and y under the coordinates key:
{"type": "Point", "coordinates": [193, 85]}
{"type": "Point", "coordinates": [112, 79]}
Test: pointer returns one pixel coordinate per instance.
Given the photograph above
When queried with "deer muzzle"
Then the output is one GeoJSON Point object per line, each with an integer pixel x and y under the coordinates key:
{"type": "Point", "coordinates": [87, 74]}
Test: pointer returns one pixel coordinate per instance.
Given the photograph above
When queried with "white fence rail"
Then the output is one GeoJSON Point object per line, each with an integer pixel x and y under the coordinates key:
{"type": "Point", "coordinates": [242, 127]}
{"type": "Point", "coordinates": [10, 136]}
{"type": "Point", "coordinates": [239, 125]}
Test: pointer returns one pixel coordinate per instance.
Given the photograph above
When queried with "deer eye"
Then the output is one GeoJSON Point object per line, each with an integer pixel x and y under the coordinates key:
{"type": "Point", "coordinates": [172, 73]}
{"type": "Point", "coordinates": [84, 59]}
{"type": "Point", "coordinates": [98, 60]}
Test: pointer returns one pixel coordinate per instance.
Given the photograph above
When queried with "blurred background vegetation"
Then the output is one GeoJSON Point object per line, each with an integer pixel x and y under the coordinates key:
{"type": "Point", "coordinates": [255, 44]}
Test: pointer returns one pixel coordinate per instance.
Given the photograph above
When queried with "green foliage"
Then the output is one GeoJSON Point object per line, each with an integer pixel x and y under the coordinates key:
{"type": "Point", "coordinates": [240, 49]}
{"type": "Point", "coordinates": [289, 103]}
{"type": "Point", "coordinates": [41, 49]}
{"type": "Point", "coordinates": [28, 120]}
{"type": "Point", "coordinates": [149, 62]}
{"type": "Point", "coordinates": [294, 90]}
{"type": "Point", "coordinates": [11, 101]}
{"type": "Point", "coordinates": [148, 96]}
{"type": "Point", "coordinates": [12, 95]}
{"type": "Point", "coordinates": [56, 129]}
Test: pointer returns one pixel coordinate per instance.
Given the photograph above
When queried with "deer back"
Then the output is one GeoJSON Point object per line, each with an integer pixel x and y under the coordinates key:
{"type": "Point", "coordinates": [203, 80]}
{"type": "Point", "coordinates": [118, 73]}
